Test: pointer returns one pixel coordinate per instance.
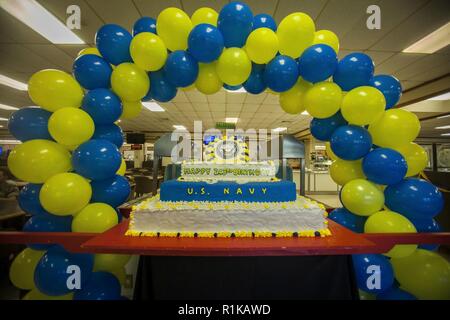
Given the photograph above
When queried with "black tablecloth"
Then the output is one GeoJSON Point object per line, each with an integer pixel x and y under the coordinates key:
{"type": "Point", "coordinates": [230, 278]}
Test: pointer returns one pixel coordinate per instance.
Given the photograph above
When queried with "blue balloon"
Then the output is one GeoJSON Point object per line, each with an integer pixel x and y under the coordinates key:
{"type": "Point", "coordinates": [414, 198]}
{"type": "Point", "coordinates": [384, 166]}
{"type": "Point", "coordinates": [50, 274]}
{"type": "Point", "coordinates": [102, 105]}
{"type": "Point", "coordinates": [255, 83]}
{"type": "Point", "coordinates": [181, 69]}
{"type": "Point", "coordinates": [113, 191]}
{"type": "Point", "coordinates": [47, 223]}
{"type": "Point", "coordinates": [96, 159]}
{"type": "Point", "coordinates": [317, 63]}
{"type": "Point", "coordinates": [29, 199]}
{"type": "Point", "coordinates": [113, 42]}
{"type": "Point", "coordinates": [350, 142]}
{"type": "Point", "coordinates": [264, 20]}
{"type": "Point", "coordinates": [347, 219]}
{"type": "Point", "coordinates": [354, 70]}
{"type": "Point", "coordinates": [235, 23]}
{"type": "Point", "coordinates": [101, 286]}
{"type": "Point", "coordinates": [281, 73]}
{"type": "Point", "coordinates": [373, 266]}
{"type": "Point", "coordinates": [205, 43]}
{"type": "Point", "coordinates": [92, 71]}
{"type": "Point", "coordinates": [322, 129]}
{"type": "Point", "coordinates": [111, 132]}
{"type": "Point", "coordinates": [160, 89]}
{"type": "Point", "coordinates": [427, 225]}
{"type": "Point", "coordinates": [144, 24]}
{"type": "Point", "coordinates": [390, 87]}
{"type": "Point", "coordinates": [29, 123]}
{"type": "Point", "coordinates": [395, 293]}
{"type": "Point", "coordinates": [232, 88]}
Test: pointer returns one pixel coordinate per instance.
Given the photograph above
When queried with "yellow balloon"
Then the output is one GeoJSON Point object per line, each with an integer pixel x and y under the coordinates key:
{"type": "Point", "coordinates": [323, 99]}
{"type": "Point", "coordinates": [233, 66]}
{"type": "Point", "coordinates": [108, 262]}
{"type": "Point", "coordinates": [295, 34]}
{"type": "Point", "coordinates": [148, 51]}
{"type": "Point", "coordinates": [173, 26]}
{"type": "Point", "coordinates": [262, 45]}
{"type": "Point", "coordinates": [35, 294]}
{"type": "Point", "coordinates": [268, 90]}
{"type": "Point", "coordinates": [91, 50]}
{"type": "Point", "coordinates": [65, 194]}
{"type": "Point", "coordinates": [330, 152]}
{"type": "Point", "coordinates": [71, 126]}
{"type": "Point", "coordinates": [342, 171]}
{"type": "Point", "coordinates": [425, 274]}
{"type": "Point", "coordinates": [122, 168]}
{"type": "Point", "coordinates": [54, 89]}
{"type": "Point", "coordinates": [395, 128]}
{"type": "Point", "coordinates": [37, 160]}
{"type": "Point", "coordinates": [327, 37]}
{"type": "Point", "coordinates": [95, 218]}
{"type": "Point", "coordinates": [130, 82]}
{"type": "Point", "coordinates": [362, 197]}
{"type": "Point", "coordinates": [21, 272]}
{"type": "Point", "coordinates": [190, 87]}
{"type": "Point", "coordinates": [292, 100]}
{"type": "Point", "coordinates": [204, 15]}
{"type": "Point", "coordinates": [416, 157]}
{"type": "Point", "coordinates": [391, 222]}
{"type": "Point", "coordinates": [131, 109]}
{"type": "Point", "coordinates": [366, 296]}
{"type": "Point", "coordinates": [208, 82]}
{"type": "Point", "coordinates": [363, 105]}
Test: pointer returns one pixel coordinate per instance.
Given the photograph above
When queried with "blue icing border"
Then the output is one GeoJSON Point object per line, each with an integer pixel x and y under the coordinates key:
{"type": "Point", "coordinates": [279, 191]}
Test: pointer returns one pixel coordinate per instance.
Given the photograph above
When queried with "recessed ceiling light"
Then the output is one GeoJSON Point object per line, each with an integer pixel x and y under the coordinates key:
{"type": "Point", "coordinates": [31, 13]}
{"type": "Point", "coordinates": [433, 42]}
{"type": "Point", "coordinates": [231, 120]}
{"type": "Point", "coordinates": [5, 107]}
{"type": "Point", "coordinates": [179, 127]}
{"type": "Point", "coordinates": [7, 81]}
{"type": "Point", "coordinates": [153, 106]}
{"type": "Point", "coordinates": [3, 119]}
{"type": "Point", "coordinates": [441, 97]}
{"type": "Point", "coordinates": [1, 126]}
{"type": "Point", "coordinates": [240, 90]}
{"type": "Point", "coordinates": [280, 129]}
{"type": "Point", "coordinates": [442, 127]}
{"type": "Point", "coordinates": [445, 134]}
{"type": "Point", "coordinates": [442, 117]}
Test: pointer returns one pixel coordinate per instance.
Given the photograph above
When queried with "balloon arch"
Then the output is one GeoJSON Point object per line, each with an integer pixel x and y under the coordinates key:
{"type": "Point", "coordinates": [70, 154]}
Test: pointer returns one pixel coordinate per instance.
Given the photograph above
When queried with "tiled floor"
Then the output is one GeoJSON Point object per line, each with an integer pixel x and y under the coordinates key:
{"type": "Point", "coordinates": [331, 200]}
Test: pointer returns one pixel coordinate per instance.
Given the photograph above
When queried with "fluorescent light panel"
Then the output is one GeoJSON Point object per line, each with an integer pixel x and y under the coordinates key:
{"type": "Point", "coordinates": [240, 90]}
{"type": "Point", "coordinates": [231, 120]}
{"type": "Point", "coordinates": [433, 42]}
{"type": "Point", "coordinates": [40, 20]}
{"type": "Point", "coordinates": [3, 119]}
{"type": "Point", "coordinates": [10, 141]}
{"type": "Point", "coordinates": [442, 117]}
{"type": "Point", "coordinates": [280, 129]}
{"type": "Point", "coordinates": [441, 97]}
{"type": "Point", "coordinates": [179, 127]}
{"type": "Point", "coordinates": [153, 106]}
{"type": "Point", "coordinates": [7, 81]}
{"type": "Point", "coordinates": [443, 127]}
{"type": "Point", "coordinates": [445, 134]}
{"type": "Point", "coordinates": [5, 107]}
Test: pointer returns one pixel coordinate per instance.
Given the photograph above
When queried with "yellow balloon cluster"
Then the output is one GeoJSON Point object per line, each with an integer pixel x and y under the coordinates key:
{"type": "Point", "coordinates": [71, 126]}
{"type": "Point", "coordinates": [262, 45]}
{"type": "Point", "coordinates": [233, 66]}
{"type": "Point", "coordinates": [395, 128]}
{"type": "Point", "coordinates": [173, 26]}
{"type": "Point", "coordinates": [208, 81]}
{"type": "Point", "coordinates": [65, 194]}
{"type": "Point", "coordinates": [295, 34]}
{"type": "Point", "coordinates": [416, 158]}
{"type": "Point", "coordinates": [21, 272]}
{"type": "Point", "coordinates": [342, 171]}
{"type": "Point", "coordinates": [130, 82]}
{"type": "Point", "coordinates": [131, 109]}
{"type": "Point", "coordinates": [95, 218]}
{"type": "Point", "coordinates": [292, 100]}
{"type": "Point", "coordinates": [391, 222]}
{"type": "Point", "coordinates": [363, 105]}
{"type": "Point", "coordinates": [204, 15]}
{"type": "Point", "coordinates": [327, 37]}
{"type": "Point", "coordinates": [362, 197]}
{"type": "Point", "coordinates": [148, 51]}
{"type": "Point", "coordinates": [425, 274]}
{"type": "Point", "coordinates": [37, 160]}
{"type": "Point", "coordinates": [323, 100]}
{"type": "Point", "coordinates": [54, 89]}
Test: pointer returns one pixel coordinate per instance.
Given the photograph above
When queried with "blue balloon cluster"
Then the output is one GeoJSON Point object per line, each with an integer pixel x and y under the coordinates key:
{"type": "Point", "coordinates": [101, 286]}
{"type": "Point", "coordinates": [113, 42]}
{"type": "Point", "coordinates": [181, 69]}
{"type": "Point", "coordinates": [103, 105]}
{"type": "Point", "coordinates": [322, 129]}
{"type": "Point", "coordinates": [354, 70]}
{"type": "Point", "coordinates": [29, 123]}
{"type": "Point", "coordinates": [350, 142]}
{"type": "Point", "coordinates": [348, 219]}
{"type": "Point", "coordinates": [235, 22]}
{"type": "Point", "coordinates": [281, 73]}
{"type": "Point", "coordinates": [205, 43]}
{"type": "Point", "coordinates": [317, 63]}
{"type": "Point", "coordinates": [92, 72]}
{"type": "Point", "coordinates": [384, 166]}
{"type": "Point", "coordinates": [161, 89]}
{"type": "Point", "coordinates": [374, 273]}
{"type": "Point", "coordinates": [144, 24]}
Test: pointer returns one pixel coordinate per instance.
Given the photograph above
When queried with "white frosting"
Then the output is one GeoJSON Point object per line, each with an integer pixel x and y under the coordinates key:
{"type": "Point", "coordinates": [296, 216]}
